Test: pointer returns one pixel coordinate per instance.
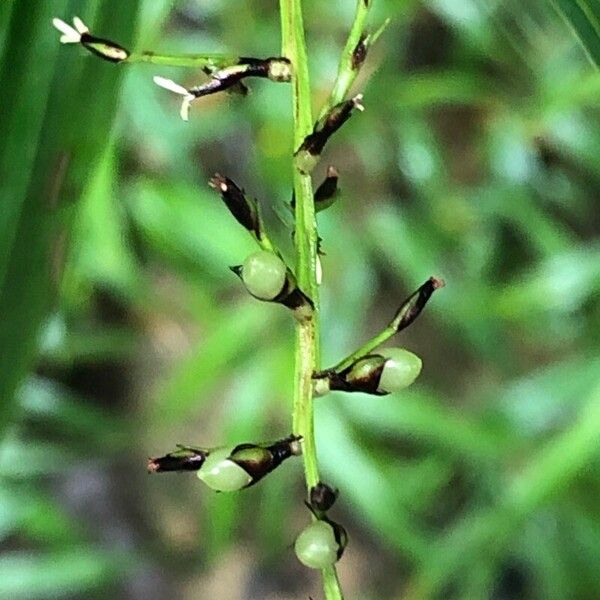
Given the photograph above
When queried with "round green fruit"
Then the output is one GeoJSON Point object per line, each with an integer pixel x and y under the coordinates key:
{"type": "Point", "coordinates": [222, 474]}
{"type": "Point", "coordinates": [400, 369]}
{"type": "Point", "coordinates": [316, 546]}
{"type": "Point", "coordinates": [263, 274]}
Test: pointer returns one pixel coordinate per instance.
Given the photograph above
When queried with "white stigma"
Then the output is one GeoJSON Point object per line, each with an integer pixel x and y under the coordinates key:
{"type": "Point", "coordinates": [80, 26]}
{"type": "Point", "coordinates": [71, 35]}
{"type": "Point", "coordinates": [357, 100]}
{"type": "Point", "coordinates": [318, 270]}
{"type": "Point", "coordinates": [184, 111]}
{"type": "Point", "coordinates": [170, 85]}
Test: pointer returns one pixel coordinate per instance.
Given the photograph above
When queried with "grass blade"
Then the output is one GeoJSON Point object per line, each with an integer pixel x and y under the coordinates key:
{"type": "Point", "coordinates": [53, 128]}
{"type": "Point", "coordinates": [583, 17]}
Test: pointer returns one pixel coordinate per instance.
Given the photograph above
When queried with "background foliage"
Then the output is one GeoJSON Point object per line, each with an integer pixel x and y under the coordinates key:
{"type": "Point", "coordinates": [476, 160]}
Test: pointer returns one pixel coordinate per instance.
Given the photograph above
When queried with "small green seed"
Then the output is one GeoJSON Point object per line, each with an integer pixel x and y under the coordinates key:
{"type": "Point", "coordinates": [222, 474]}
{"type": "Point", "coordinates": [400, 369]}
{"type": "Point", "coordinates": [316, 546]}
{"type": "Point", "coordinates": [263, 274]}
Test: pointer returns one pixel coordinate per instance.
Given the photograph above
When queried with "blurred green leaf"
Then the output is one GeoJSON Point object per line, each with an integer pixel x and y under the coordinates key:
{"type": "Point", "coordinates": [231, 339]}
{"type": "Point", "coordinates": [415, 414]}
{"type": "Point", "coordinates": [31, 576]}
{"type": "Point", "coordinates": [370, 493]}
{"type": "Point", "coordinates": [546, 475]}
{"type": "Point", "coordinates": [47, 402]}
{"type": "Point", "coordinates": [100, 253]}
{"type": "Point", "coordinates": [22, 460]}
{"type": "Point", "coordinates": [583, 17]}
{"type": "Point", "coordinates": [44, 165]}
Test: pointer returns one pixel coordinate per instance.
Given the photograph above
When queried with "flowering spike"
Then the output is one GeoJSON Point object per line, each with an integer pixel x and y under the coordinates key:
{"type": "Point", "coordinates": [385, 372]}
{"type": "Point", "coordinates": [259, 461]}
{"type": "Point", "coordinates": [359, 54]}
{"type": "Point", "coordinates": [275, 68]}
{"type": "Point", "coordinates": [411, 308]}
{"type": "Point", "coordinates": [363, 361]}
{"type": "Point", "coordinates": [243, 209]}
{"type": "Point", "coordinates": [105, 49]}
{"type": "Point", "coordinates": [326, 194]}
{"type": "Point", "coordinates": [308, 154]}
{"type": "Point", "coordinates": [229, 469]}
{"type": "Point", "coordinates": [230, 78]}
{"type": "Point", "coordinates": [184, 459]}
{"type": "Point", "coordinates": [80, 34]}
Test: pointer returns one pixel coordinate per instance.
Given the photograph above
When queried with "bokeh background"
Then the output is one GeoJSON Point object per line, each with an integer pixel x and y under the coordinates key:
{"type": "Point", "coordinates": [123, 332]}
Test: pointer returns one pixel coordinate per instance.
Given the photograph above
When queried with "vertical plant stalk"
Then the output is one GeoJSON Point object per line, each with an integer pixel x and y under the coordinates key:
{"type": "Point", "coordinates": [307, 331]}
{"type": "Point", "coordinates": [347, 72]}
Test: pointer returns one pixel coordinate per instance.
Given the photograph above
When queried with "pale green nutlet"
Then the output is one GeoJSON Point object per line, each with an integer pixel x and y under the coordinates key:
{"type": "Point", "coordinates": [222, 474]}
{"type": "Point", "coordinates": [264, 274]}
{"type": "Point", "coordinates": [316, 546]}
{"type": "Point", "coordinates": [400, 369]}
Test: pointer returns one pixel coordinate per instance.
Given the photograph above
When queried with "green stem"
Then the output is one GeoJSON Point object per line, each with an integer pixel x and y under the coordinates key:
{"type": "Point", "coordinates": [367, 347]}
{"type": "Point", "coordinates": [305, 239]}
{"type": "Point", "coordinates": [409, 310]}
{"type": "Point", "coordinates": [213, 61]}
{"type": "Point", "coordinates": [346, 72]}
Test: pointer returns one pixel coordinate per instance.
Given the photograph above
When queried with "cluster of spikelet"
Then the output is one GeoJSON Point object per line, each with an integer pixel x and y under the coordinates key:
{"type": "Point", "coordinates": [268, 278]}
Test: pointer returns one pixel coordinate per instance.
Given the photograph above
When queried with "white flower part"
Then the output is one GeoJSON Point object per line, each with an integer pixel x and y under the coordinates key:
{"type": "Point", "coordinates": [184, 111]}
{"type": "Point", "coordinates": [318, 270]}
{"type": "Point", "coordinates": [80, 26]}
{"type": "Point", "coordinates": [170, 85]}
{"type": "Point", "coordinates": [321, 386]}
{"type": "Point", "coordinates": [70, 35]}
{"type": "Point", "coordinates": [357, 100]}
